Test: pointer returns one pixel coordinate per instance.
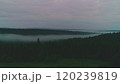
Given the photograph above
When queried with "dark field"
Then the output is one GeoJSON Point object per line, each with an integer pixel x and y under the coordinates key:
{"type": "Point", "coordinates": [98, 51]}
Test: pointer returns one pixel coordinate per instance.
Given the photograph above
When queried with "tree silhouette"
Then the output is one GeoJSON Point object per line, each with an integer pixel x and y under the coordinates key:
{"type": "Point", "coordinates": [38, 40]}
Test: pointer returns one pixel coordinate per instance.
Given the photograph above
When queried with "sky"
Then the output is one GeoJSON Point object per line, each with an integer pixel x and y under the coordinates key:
{"type": "Point", "coordinates": [64, 14]}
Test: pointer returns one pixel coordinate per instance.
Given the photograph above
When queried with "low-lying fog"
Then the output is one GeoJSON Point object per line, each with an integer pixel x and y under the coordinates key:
{"type": "Point", "coordinates": [15, 37]}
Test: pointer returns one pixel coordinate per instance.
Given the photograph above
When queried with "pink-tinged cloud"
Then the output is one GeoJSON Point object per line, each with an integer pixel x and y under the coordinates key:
{"type": "Point", "coordinates": [60, 13]}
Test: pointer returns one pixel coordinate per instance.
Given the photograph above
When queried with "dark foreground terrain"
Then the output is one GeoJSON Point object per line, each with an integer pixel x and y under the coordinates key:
{"type": "Point", "coordinates": [98, 51]}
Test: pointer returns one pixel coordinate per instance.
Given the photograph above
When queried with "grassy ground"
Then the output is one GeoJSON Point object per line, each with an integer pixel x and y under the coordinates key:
{"type": "Point", "coordinates": [60, 64]}
{"type": "Point", "coordinates": [99, 51]}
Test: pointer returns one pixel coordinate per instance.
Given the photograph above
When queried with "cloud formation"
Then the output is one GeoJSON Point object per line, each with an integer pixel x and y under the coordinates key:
{"type": "Point", "coordinates": [60, 13]}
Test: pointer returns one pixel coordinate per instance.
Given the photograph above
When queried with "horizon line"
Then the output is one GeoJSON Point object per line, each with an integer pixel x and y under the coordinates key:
{"type": "Point", "coordinates": [52, 28]}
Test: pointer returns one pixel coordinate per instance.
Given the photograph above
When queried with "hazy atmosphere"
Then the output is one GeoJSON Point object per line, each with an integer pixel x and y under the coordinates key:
{"type": "Point", "coordinates": [77, 14]}
{"type": "Point", "coordinates": [60, 34]}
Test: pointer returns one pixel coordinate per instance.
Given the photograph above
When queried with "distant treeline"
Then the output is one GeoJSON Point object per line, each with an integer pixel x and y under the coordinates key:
{"type": "Point", "coordinates": [40, 32]}
{"type": "Point", "coordinates": [105, 47]}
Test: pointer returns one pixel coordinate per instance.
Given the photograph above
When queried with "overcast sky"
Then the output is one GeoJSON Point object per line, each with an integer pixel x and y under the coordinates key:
{"type": "Point", "coordinates": [76, 14]}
